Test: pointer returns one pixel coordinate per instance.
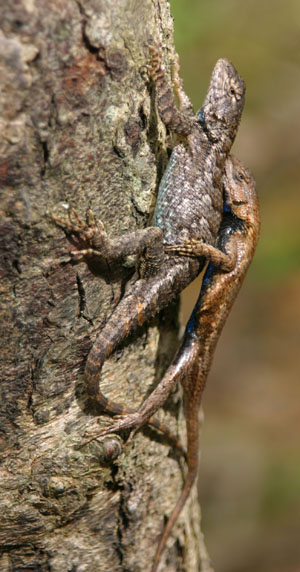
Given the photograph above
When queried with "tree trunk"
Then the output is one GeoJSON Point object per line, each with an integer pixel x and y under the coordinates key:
{"type": "Point", "coordinates": [79, 129]}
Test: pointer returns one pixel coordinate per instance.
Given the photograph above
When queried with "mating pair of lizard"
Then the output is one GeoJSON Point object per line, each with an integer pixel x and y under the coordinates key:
{"type": "Point", "coordinates": [206, 210]}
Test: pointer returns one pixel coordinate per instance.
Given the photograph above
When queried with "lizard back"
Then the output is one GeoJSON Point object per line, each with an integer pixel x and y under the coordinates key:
{"type": "Point", "coordinates": [189, 203]}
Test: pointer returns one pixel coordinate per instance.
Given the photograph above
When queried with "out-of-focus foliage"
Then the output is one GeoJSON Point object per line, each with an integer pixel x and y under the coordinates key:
{"type": "Point", "coordinates": [249, 478]}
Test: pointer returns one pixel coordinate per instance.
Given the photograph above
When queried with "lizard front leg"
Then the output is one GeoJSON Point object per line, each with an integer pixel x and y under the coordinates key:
{"type": "Point", "coordinates": [194, 248]}
{"type": "Point", "coordinates": [181, 122]}
{"type": "Point", "coordinates": [92, 241]}
{"type": "Point", "coordinates": [185, 103]}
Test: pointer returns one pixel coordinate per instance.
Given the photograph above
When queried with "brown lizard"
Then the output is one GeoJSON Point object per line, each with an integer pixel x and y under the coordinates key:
{"type": "Point", "coordinates": [221, 284]}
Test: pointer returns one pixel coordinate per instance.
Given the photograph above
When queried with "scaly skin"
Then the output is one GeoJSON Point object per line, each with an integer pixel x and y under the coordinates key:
{"type": "Point", "coordinates": [189, 206]}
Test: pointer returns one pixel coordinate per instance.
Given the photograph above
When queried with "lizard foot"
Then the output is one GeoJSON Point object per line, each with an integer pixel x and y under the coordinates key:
{"type": "Point", "coordinates": [154, 67]}
{"type": "Point", "coordinates": [135, 421]}
{"type": "Point", "coordinates": [129, 421]}
{"type": "Point", "coordinates": [89, 237]}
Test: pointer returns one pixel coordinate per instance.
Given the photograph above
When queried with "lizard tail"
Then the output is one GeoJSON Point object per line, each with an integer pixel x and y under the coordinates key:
{"type": "Point", "coordinates": [169, 435]}
{"type": "Point", "coordinates": [130, 313]}
{"type": "Point", "coordinates": [190, 479]}
{"type": "Point", "coordinates": [191, 415]}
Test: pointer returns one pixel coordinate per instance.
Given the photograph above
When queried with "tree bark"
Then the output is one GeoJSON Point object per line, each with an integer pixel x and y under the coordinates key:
{"type": "Point", "coordinates": [79, 128]}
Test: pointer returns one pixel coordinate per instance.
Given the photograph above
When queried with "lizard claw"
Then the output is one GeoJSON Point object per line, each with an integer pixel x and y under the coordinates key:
{"type": "Point", "coordinates": [88, 236]}
{"type": "Point", "coordinates": [127, 421]}
{"type": "Point", "coordinates": [131, 420]}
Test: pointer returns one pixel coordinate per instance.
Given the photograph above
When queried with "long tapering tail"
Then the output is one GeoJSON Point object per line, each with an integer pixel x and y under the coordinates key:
{"type": "Point", "coordinates": [192, 461]}
{"type": "Point", "coordinates": [190, 479]}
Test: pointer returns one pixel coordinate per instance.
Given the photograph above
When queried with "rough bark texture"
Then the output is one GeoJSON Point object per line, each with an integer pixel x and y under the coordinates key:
{"type": "Point", "coordinates": [79, 128]}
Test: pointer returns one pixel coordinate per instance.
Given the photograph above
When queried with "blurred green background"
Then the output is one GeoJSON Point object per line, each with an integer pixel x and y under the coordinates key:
{"type": "Point", "coordinates": [250, 467]}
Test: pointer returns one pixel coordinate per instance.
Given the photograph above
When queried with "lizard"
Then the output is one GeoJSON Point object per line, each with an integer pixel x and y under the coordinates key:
{"type": "Point", "coordinates": [189, 207]}
{"type": "Point", "coordinates": [228, 265]}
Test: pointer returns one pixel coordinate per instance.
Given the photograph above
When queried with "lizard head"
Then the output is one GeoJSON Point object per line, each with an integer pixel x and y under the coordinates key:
{"type": "Point", "coordinates": [240, 191]}
{"type": "Point", "coordinates": [223, 105]}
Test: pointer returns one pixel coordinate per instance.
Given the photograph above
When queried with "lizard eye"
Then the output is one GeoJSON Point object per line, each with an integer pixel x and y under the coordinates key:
{"type": "Point", "coordinates": [240, 176]}
{"type": "Point", "coordinates": [239, 203]}
{"type": "Point", "coordinates": [235, 93]}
